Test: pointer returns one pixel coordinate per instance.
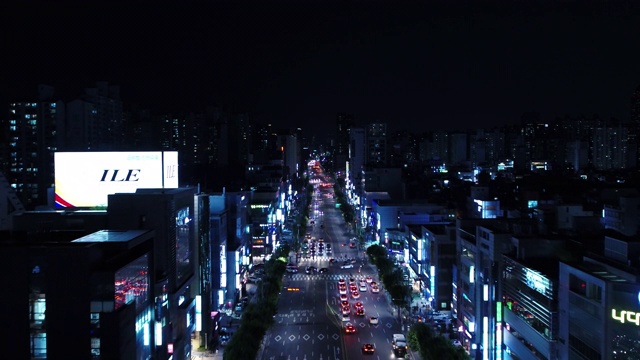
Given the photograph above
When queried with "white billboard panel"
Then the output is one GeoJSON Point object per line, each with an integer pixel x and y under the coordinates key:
{"type": "Point", "coordinates": [85, 179]}
{"type": "Point", "coordinates": [170, 164]}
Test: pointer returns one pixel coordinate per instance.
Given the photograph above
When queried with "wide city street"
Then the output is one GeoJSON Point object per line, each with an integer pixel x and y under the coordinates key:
{"type": "Point", "coordinates": [313, 321]}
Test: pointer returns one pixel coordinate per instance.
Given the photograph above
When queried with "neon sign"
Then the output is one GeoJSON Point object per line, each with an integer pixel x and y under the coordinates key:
{"type": "Point", "coordinates": [626, 316]}
{"type": "Point", "coordinates": [535, 281]}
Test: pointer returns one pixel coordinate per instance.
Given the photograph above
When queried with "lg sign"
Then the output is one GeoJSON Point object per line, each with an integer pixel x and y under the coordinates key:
{"type": "Point", "coordinates": [85, 179]}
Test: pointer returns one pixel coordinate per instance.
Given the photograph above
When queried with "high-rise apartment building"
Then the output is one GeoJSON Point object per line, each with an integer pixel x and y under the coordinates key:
{"type": "Point", "coordinates": [27, 156]}
{"type": "Point", "coordinates": [95, 121]}
{"type": "Point", "coordinates": [344, 122]}
{"type": "Point", "coordinates": [610, 147]}
{"type": "Point", "coordinates": [459, 148]}
{"type": "Point", "coordinates": [355, 164]}
{"type": "Point", "coordinates": [376, 142]}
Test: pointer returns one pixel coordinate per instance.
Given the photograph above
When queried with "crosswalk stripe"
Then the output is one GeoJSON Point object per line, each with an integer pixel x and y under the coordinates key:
{"type": "Point", "coordinates": [336, 277]}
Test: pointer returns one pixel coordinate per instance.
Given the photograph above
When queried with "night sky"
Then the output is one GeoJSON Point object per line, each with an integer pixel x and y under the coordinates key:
{"type": "Point", "coordinates": [417, 65]}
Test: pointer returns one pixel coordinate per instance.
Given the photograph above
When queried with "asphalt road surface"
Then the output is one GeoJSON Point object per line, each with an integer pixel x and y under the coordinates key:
{"type": "Point", "coordinates": [309, 323]}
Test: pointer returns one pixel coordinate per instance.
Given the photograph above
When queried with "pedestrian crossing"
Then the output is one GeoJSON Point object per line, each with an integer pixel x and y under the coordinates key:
{"type": "Point", "coordinates": [334, 277]}
{"type": "Point", "coordinates": [317, 258]}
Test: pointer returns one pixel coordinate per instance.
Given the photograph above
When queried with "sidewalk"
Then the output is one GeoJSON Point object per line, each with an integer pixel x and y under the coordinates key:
{"type": "Point", "coordinates": [197, 355]}
{"type": "Point", "coordinates": [228, 322]}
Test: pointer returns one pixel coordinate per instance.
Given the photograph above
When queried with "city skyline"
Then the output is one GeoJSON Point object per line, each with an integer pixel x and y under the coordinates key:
{"type": "Point", "coordinates": [412, 65]}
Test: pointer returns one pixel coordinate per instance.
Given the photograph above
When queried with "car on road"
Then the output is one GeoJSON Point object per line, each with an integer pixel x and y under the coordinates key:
{"type": "Point", "coordinates": [344, 297]}
{"type": "Point", "coordinates": [368, 349]}
{"type": "Point", "coordinates": [341, 281]}
{"type": "Point", "coordinates": [346, 310]}
{"type": "Point", "coordinates": [358, 305]}
{"type": "Point", "coordinates": [440, 316]}
{"type": "Point", "coordinates": [350, 329]}
{"type": "Point", "coordinates": [368, 279]}
{"type": "Point", "coordinates": [346, 317]}
{"type": "Point", "coordinates": [311, 269]}
{"type": "Point", "coordinates": [347, 266]}
{"type": "Point", "coordinates": [323, 270]}
{"type": "Point", "coordinates": [362, 287]}
{"type": "Point", "coordinates": [375, 289]}
{"type": "Point", "coordinates": [360, 312]}
{"type": "Point", "coordinates": [344, 303]}
{"type": "Point", "coordinates": [373, 320]}
{"type": "Point", "coordinates": [399, 344]}
{"type": "Point", "coordinates": [355, 295]}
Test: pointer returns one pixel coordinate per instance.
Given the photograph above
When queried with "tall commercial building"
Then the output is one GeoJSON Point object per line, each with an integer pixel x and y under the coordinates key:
{"type": "Point", "coordinates": [90, 298]}
{"type": "Point", "coordinates": [598, 303]}
{"type": "Point", "coordinates": [27, 156]}
{"type": "Point", "coordinates": [170, 213]}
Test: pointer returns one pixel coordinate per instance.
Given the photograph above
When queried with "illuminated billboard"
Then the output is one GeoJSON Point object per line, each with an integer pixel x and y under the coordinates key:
{"type": "Point", "coordinates": [624, 320]}
{"type": "Point", "coordinates": [85, 179]}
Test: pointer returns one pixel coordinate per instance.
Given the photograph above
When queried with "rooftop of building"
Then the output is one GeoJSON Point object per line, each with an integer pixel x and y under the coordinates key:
{"type": "Point", "coordinates": [601, 271]}
{"type": "Point", "coordinates": [544, 265]}
{"type": "Point", "coordinates": [163, 191]}
{"type": "Point", "coordinates": [438, 229]}
{"type": "Point", "coordinates": [416, 229]}
{"type": "Point", "coordinates": [403, 202]}
{"type": "Point", "coordinates": [110, 236]}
